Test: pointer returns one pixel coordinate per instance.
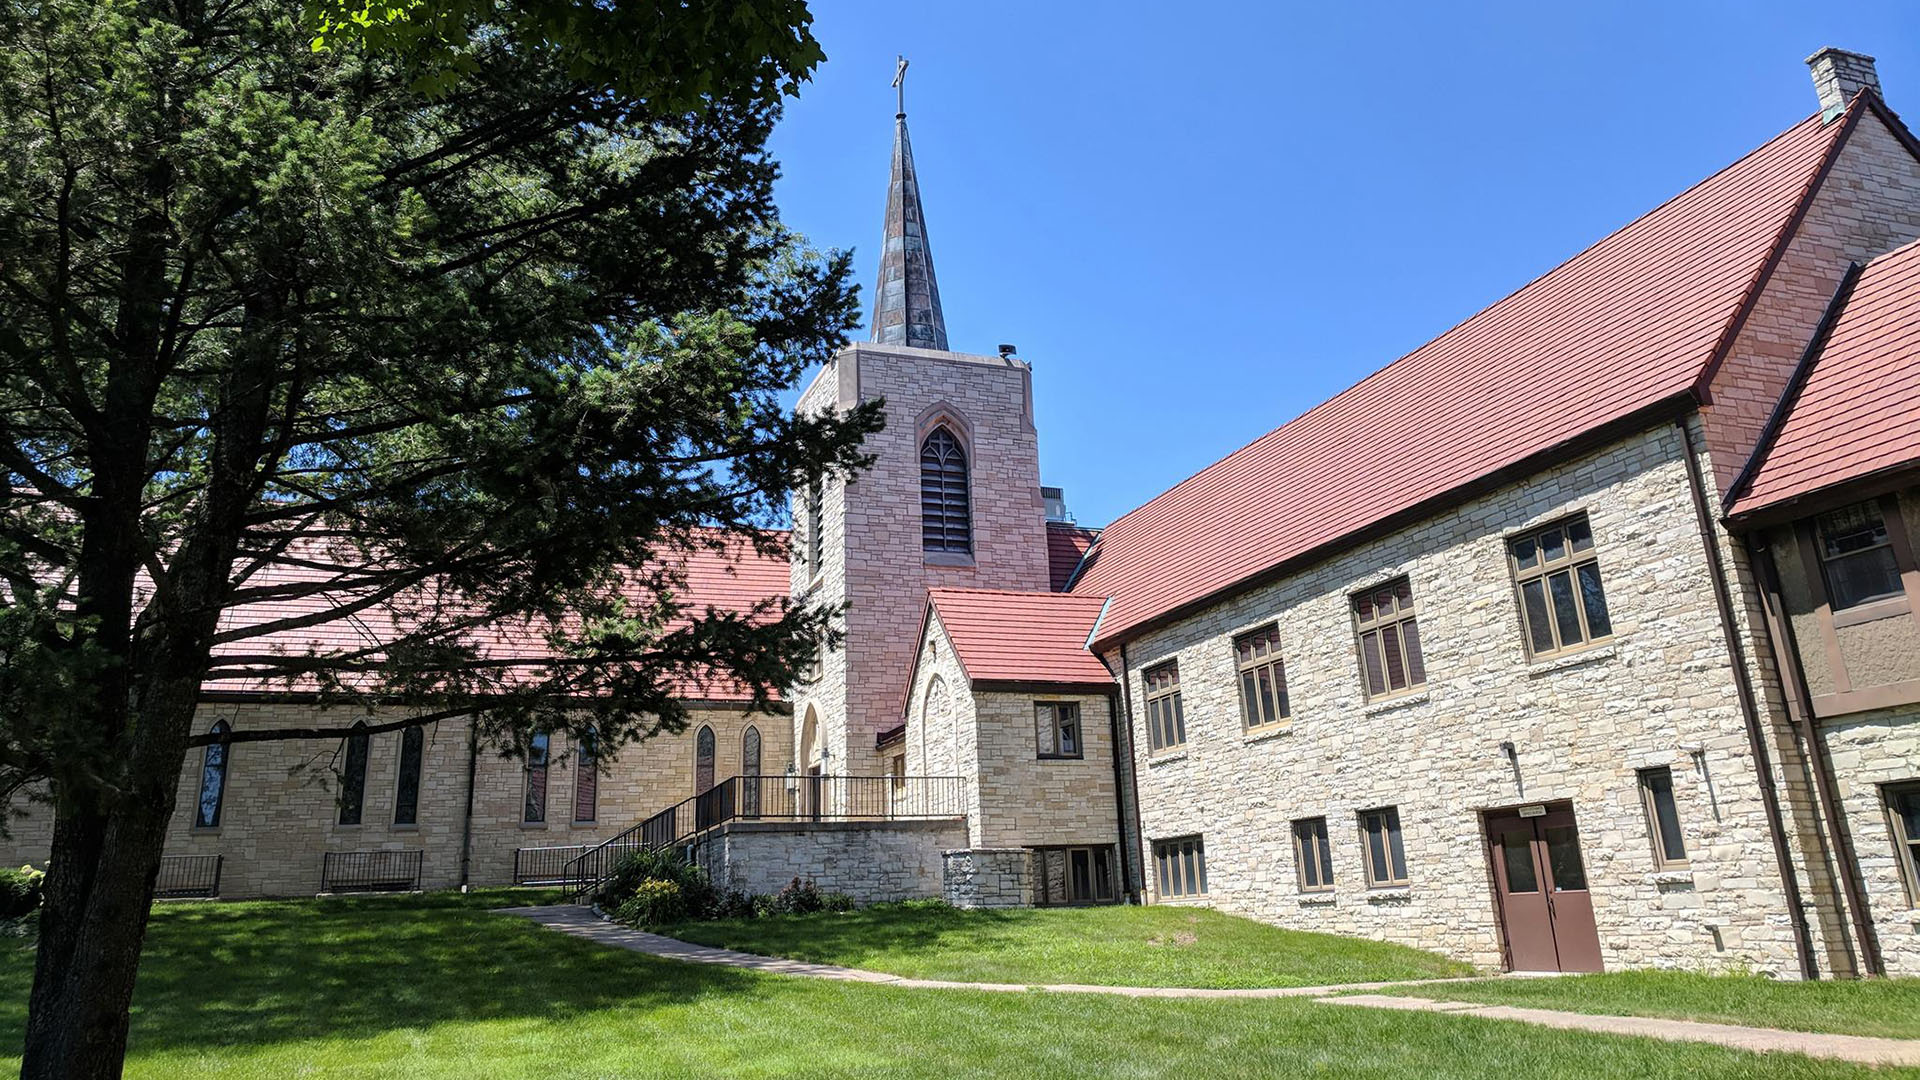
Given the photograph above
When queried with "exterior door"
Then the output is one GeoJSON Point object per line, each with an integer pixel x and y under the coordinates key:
{"type": "Point", "coordinates": [1545, 908]}
{"type": "Point", "coordinates": [814, 785]}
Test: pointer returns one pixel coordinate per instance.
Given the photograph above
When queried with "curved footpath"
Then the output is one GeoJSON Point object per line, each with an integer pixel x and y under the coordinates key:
{"type": "Point", "coordinates": [579, 921]}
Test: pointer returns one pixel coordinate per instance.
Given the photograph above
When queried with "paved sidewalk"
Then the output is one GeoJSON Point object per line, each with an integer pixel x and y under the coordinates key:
{"type": "Point", "coordinates": [580, 921]}
{"type": "Point", "coordinates": [1862, 1049]}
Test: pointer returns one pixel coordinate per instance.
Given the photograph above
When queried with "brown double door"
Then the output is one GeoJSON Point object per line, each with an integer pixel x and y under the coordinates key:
{"type": "Point", "coordinates": [1542, 883]}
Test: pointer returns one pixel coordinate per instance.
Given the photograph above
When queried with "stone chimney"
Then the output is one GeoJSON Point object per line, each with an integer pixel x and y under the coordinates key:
{"type": "Point", "coordinates": [1838, 75]}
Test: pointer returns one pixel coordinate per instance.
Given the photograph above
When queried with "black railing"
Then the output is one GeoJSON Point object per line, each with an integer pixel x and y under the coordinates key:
{"type": "Point", "coordinates": [188, 875]}
{"type": "Point", "coordinates": [544, 865]}
{"type": "Point", "coordinates": [370, 871]}
{"type": "Point", "coordinates": [774, 798]}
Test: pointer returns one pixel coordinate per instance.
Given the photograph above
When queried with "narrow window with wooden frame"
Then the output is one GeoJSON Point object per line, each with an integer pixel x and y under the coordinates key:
{"type": "Point", "coordinates": [353, 774]}
{"type": "Point", "coordinates": [1263, 678]}
{"type": "Point", "coordinates": [1856, 556]}
{"type": "Point", "coordinates": [1386, 622]}
{"type": "Point", "coordinates": [406, 791]}
{"type": "Point", "coordinates": [1386, 857]}
{"type": "Point", "coordinates": [1663, 818]}
{"type": "Point", "coordinates": [1562, 604]}
{"type": "Point", "coordinates": [1313, 854]}
{"type": "Point", "coordinates": [586, 778]}
{"type": "Point", "coordinates": [1166, 718]}
{"type": "Point", "coordinates": [1057, 729]}
{"type": "Point", "coordinates": [1903, 813]}
{"type": "Point", "coordinates": [1181, 867]}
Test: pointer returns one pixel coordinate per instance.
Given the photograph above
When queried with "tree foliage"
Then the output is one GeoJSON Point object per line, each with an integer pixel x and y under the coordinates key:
{"type": "Point", "coordinates": [438, 381]}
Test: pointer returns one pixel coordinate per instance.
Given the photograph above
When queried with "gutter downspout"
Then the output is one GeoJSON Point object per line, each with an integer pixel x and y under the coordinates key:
{"type": "Point", "coordinates": [1119, 805]}
{"type": "Point", "coordinates": [1133, 774]}
{"type": "Point", "coordinates": [1786, 648]}
{"type": "Point", "coordinates": [466, 821]}
{"type": "Point", "coordinates": [1750, 711]}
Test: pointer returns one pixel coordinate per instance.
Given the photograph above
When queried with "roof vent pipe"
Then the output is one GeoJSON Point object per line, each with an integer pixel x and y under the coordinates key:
{"type": "Point", "coordinates": [1839, 75]}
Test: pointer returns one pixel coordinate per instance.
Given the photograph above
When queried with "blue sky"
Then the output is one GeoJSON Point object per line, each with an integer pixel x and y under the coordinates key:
{"type": "Point", "coordinates": [1196, 221]}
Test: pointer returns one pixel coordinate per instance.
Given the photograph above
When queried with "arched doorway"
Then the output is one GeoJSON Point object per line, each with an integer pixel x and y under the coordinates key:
{"type": "Point", "coordinates": [808, 797]}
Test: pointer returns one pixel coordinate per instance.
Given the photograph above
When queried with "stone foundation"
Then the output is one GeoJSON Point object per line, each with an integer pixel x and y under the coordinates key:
{"type": "Point", "coordinates": [871, 861]}
{"type": "Point", "coordinates": [988, 878]}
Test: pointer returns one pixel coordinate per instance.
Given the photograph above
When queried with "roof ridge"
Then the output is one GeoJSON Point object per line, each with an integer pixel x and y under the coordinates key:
{"type": "Point", "coordinates": [1530, 283]}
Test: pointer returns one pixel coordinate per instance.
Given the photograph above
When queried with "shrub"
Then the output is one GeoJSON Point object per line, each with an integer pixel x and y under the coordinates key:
{"type": "Point", "coordinates": [20, 892]}
{"type": "Point", "coordinates": [655, 902]}
{"type": "Point", "coordinates": [734, 904]}
{"type": "Point", "coordinates": [801, 898]}
{"type": "Point", "coordinates": [695, 888]}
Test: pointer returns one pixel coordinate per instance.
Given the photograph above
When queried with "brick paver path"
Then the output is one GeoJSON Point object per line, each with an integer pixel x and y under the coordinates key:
{"type": "Point", "coordinates": [579, 921]}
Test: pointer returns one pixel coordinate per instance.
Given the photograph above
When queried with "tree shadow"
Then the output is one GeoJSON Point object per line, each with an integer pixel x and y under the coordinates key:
{"type": "Point", "coordinates": [235, 974]}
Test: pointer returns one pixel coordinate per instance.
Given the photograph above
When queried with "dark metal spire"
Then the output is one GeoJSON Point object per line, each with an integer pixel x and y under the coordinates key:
{"type": "Point", "coordinates": [906, 303]}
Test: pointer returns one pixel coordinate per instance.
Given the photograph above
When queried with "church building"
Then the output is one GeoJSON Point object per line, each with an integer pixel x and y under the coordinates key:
{"type": "Point", "coordinates": [1585, 636]}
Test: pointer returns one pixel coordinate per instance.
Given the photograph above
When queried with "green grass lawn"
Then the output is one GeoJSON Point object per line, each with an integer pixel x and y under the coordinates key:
{"type": "Point", "coordinates": [421, 988]}
{"type": "Point", "coordinates": [1888, 1007]}
{"type": "Point", "coordinates": [1108, 946]}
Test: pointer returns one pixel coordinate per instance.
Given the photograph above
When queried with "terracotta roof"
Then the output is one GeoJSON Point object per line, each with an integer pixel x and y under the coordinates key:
{"type": "Point", "coordinates": [1066, 544]}
{"type": "Point", "coordinates": [1021, 637]}
{"type": "Point", "coordinates": [734, 578]}
{"type": "Point", "coordinates": [1625, 327]}
{"type": "Point", "coordinates": [1854, 408]}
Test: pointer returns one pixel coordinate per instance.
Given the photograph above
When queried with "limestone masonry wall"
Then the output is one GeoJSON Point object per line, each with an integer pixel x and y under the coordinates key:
{"type": "Point", "coordinates": [871, 861]}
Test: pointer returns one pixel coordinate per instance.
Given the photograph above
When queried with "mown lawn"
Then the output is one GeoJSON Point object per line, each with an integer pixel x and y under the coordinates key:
{"type": "Point", "coordinates": [1107, 946]}
{"type": "Point", "coordinates": [1886, 1007]}
{"type": "Point", "coordinates": [417, 988]}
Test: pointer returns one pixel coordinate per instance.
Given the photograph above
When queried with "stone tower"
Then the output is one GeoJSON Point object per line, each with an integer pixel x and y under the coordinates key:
{"type": "Point", "coordinates": [953, 498]}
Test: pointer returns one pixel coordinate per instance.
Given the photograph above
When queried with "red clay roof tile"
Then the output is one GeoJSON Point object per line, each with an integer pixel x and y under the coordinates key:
{"type": "Point", "coordinates": [1024, 637]}
{"type": "Point", "coordinates": [1066, 544]}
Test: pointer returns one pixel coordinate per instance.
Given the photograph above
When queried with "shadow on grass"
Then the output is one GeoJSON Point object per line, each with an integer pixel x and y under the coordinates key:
{"type": "Point", "coordinates": [231, 974]}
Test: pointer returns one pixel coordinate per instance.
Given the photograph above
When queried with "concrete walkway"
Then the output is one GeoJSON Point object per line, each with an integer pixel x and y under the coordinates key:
{"type": "Point", "coordinates": [579, 921]}
{"type": "Point", "coordinates": [1863, 1049]}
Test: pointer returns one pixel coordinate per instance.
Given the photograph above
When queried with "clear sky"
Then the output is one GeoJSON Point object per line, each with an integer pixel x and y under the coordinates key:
{"type": "Point", "coordinates": [1198, 220]}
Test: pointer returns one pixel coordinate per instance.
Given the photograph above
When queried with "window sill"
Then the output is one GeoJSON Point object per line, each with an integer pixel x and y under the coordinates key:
{"type": "Point", "coordinates": [1318, 899]}
{"type": "Point", "coordinates": [1563, 661]}
{"type": "Point", "coordinates": [583, 825]}
{"type": "Point", "coordinates": [397, 827]}
{"type": "Point", "coordinates": [1271, 731]}
{"type": "Point", "coordinates": [947, 558]}
{"type": "Point", "coordinates": [1872, 611]}
{"type": "Point", "coordinates": [204, 830]}
{"type": "Point", "coordinates": [1375, 708]}
{"type": "Point", "coordinates": [1166, 758]}
{"type": "Point", "coordinates": [540, 825]}
{"type": "Point", "coordinates": [1060, 757]}
{"type": "Point", "coordinates": [1670, 877]}
{"type": "Point", "coordinates": [338, 827]}
{"type": "Point", "coordinates": [1387, 894]}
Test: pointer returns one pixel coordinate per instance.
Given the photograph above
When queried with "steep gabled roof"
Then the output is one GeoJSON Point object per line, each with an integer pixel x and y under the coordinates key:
{"type": "Point", "coordinates": [1002, 636]}
{"type": "Point", "coordinates": [1853, 409]}
{"type": "Point", "coordinates": [1067, 544]}
{"type": "Point", "coordinates": [1628, 328]}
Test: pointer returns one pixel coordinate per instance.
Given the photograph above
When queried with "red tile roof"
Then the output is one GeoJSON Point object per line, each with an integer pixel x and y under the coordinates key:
{"type": "Point", "coordinates": [1066, 543]}
{"type": "Point", "coordinates": [1621, 329]}
{"type": "Point", "coordinates": [1854, 410]}
{"type": "Point", "coordinates": [1021, 637]}
{"type": "Point", "coordinates": [734, 578]}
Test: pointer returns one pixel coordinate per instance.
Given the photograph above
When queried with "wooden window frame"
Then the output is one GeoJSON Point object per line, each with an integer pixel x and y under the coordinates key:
{"type": "Point", "coordinates": [1656, 832]}
{"type": "Point", "coordinates": [1394, 853]}
{"type": "Point", "coordinates": [1878, 509]}
{"type": "Point", "coordinates": [946, 508]}
{"type": "Point", "coordinates": [1050, 721]}
{"type": "Point", "coordinates": [1094, 853]}
{"type": "Point", "coordinates": [1180, 867]}
{"type": "Point", "coordinates": [586, 779]}
{"type": "Point", "coordinates": [1389, 631]}
{"type": "Point", "coordinates": [1261, 672]}
{"type": "Point", "coordinates": [1308, 832]}
{"type": "Point", "coordinates": [1906, 848]}
{"type": "Point", "coordinates": [1573, 562]}
{"type": "Point", "coordinates": [897, 770]}
{"type": "Point", "coordinates": [1166, 712]}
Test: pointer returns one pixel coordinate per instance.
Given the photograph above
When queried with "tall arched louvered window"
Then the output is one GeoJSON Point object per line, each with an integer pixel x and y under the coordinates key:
{"type": "Point", "coordinates": [406, 794]}
{"type": "Point", "coordinates": [213, 780]}
{"type": "Point", "coordinates": [353, 777]}
{"type": "Point", "coordinates": [703, 760]}
{"type": "Point", "coordinates": [945, 521]}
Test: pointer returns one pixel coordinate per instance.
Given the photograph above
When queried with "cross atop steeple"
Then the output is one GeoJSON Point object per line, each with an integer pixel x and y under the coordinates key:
{"type": "Point", "coordinates": [906, 302]}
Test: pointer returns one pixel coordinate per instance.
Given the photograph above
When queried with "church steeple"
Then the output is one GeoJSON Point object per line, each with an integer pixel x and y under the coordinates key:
{"type": "Point", "coordinates": [906, 303]}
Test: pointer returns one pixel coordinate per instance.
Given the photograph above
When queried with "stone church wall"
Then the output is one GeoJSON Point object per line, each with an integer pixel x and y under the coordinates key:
{"type": "Point", "coordinates": [1582, 725]}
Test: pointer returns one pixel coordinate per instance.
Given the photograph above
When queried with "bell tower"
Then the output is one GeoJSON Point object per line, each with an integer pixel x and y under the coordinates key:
{"type": "Point", "coordinates": [953, 497]}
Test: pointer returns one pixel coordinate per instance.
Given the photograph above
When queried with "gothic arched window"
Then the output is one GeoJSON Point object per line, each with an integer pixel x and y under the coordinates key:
{"type": "Point", "coordinates": [750, 771]}
{"type": "Point", "coordinates": [406, 796]}
{"type": "Point", "coordinates": [213, 780]}
{"type": "Point", "coordinates": [534, 808]}
{"type": "Point", "coordinates": [945, 523]}
{"type": "Point", "coordinates": [353, 777]}
{"type": "Point", "coordinates": [703, 760]}
{"type": "Point", "coordinates": [586, 777]}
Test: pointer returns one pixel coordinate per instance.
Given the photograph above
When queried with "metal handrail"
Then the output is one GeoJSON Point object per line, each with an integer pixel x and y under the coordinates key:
{"type": "Point", "coordinates": [772, 798]}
